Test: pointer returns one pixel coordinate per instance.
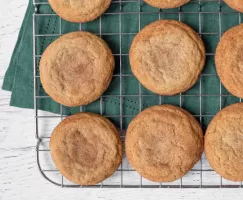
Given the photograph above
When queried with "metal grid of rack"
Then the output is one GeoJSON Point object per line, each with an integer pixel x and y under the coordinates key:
{"type": "Point", "coordinates": [201, 176]}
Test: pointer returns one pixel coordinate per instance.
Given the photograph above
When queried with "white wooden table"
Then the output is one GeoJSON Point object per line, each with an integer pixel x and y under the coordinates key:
{"type": "Point", "coordinates": [19, 176]}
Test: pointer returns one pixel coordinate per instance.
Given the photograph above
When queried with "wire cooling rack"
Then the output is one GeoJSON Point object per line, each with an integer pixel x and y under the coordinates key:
{"type": "Point", "coordinates": [210, 18]}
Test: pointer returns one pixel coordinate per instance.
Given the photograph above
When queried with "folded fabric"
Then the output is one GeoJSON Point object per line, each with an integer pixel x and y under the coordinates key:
{"type": "Point", "coordinates": [19, 76]}
{"type": "Point", "coordinates": [117, 28]}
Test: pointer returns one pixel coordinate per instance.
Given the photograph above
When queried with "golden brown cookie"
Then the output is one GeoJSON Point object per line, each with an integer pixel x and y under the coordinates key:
{"type": "Point", "coordinates": [163, 143]}
{"type": "Point", "coordinates": [166, 3]}
{"type": "Point", "coordinates": [79, 10]}
{"type": "Point", "coordinates": [167, 57]}
{"type": "Point", "coordinates": [229, 60]}
{"type": "Point", "coordinates": [86, 148]}
{"type": "Point", "coordinates": [235, 4]}
{"type": "Point", "coordinates": [76, 69]}
{"type": "Point", "coordinates": [224, 142]}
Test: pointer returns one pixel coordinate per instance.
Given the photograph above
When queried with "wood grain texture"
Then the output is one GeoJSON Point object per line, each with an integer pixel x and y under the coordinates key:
{"type": "Point", "coordinates": [19, 176]}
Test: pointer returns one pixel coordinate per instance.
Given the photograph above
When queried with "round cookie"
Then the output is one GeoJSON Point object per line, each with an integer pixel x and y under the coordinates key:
{"type": "Point", "coordinates": [224, 142]}
{"type": "Point", "coordinates": [167, 57]}
{"type": "Point", "coordinates": [86, 148]}
{"type": "Point", "coordinates": [79, 10]}
{"type": "Point", "coordinates": [229, 60]}
{"type": "Point", "coordinates": [76, 69]}
{"type": "Point", "coordinates": [163, 143]}
{"type": "Point", "coordinates": [235, 4]}
{"type": "Point", "coordinates": [166, 3]}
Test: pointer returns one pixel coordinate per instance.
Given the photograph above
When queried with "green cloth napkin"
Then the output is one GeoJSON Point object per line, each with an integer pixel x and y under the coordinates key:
{"type": "Point", "coordinates": [19, 76]}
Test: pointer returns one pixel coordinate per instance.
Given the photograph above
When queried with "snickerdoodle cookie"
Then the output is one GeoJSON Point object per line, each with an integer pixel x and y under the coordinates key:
{"type": "Point", "coordinates": [163, 143]}
{"type": "Point", "coordinates": [224, 142]}
{"type": "Point", "coordinates": [229, 60]}
{"type": "Point", "coordinates": [79, 10]}
{"type": "Point", "coordinates": [166, 3]}
{"type": "Point", "coordinates": [86, 148]}
{"type": "Point", "coordinates": [167, 57]}
{"type": "Point", "coordinates": [235, 4]}
{"type": "Point", "coordinates": [76, 68]}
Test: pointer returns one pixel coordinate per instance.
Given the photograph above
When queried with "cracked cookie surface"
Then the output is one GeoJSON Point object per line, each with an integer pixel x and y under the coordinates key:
{"type": "Point", "coordinates": [229, 60]}
{"type": "Point", "coordinates": [166, 3]}
{"type": "Point", "coordinates": [224, 142]}
{"type": "Point", "coordinates": [76, 69]}
{"type": "Point", "coordinates": [86, 148]}
{"type": "Point", "coordinates": [79, 10]}
{"type": "Point", "coordinates": [163, 143]}
{"type": "Point", "coordinates": [235, 4]}
{"type": "Point", "coordinates": [167, 57]}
